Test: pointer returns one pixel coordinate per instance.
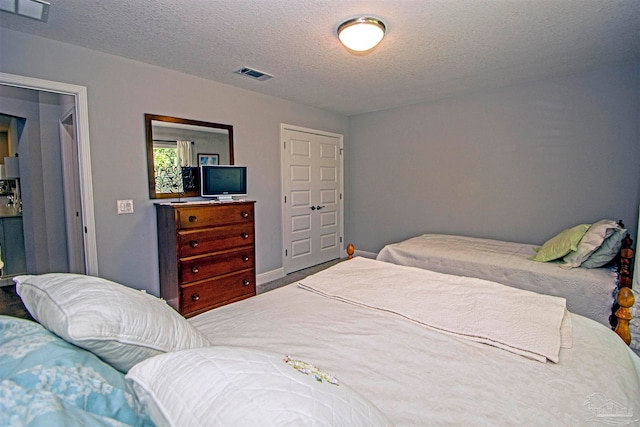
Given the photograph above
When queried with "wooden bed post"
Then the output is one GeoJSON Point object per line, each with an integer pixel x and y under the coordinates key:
{"type": "Point", "coordinates": [625, 297]}
{"type": "Point", "coordinates": [625, 300]}
{"type": "Point", "coordinates": [626, 258]}
{"type": "Point", "coordinates": [350, 250]}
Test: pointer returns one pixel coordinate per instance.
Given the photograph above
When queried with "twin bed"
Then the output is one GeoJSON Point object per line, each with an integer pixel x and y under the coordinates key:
{"type": "Point", "coordinates": [365, 342]}
{"type": "Point", "coordinates": [588, 265]}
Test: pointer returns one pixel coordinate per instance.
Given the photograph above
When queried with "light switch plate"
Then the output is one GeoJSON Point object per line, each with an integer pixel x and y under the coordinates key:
{"type": "Point", "coordinates": [125, 207]}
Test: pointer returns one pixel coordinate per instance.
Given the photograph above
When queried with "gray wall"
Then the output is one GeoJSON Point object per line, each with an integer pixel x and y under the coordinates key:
{"type": "Point", "coordinates": [519, 163]}
{"type": "Point", "coordinates": [120, 92]}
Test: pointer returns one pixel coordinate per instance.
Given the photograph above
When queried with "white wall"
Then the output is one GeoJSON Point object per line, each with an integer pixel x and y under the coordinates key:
{"type": "Point", "coordinates": [120, 92]}
{"type": "Point", "coordinates": [519, 163]}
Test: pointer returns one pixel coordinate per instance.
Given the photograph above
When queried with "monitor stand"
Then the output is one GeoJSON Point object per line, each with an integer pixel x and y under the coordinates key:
{"type": "Point", "coordinates": [225, 198]}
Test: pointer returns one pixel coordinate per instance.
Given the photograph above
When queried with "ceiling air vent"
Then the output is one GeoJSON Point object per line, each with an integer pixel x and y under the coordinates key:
{"type": "Point", "coordinates": [254, 74]}
{"type": "Point", "coordinates": [34, 9]}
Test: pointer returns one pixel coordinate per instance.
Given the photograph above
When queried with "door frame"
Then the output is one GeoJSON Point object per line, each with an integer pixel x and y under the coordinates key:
{"type": "Point", "coordinates": [71, 185]}
{"type": "Point", "coordinates": [284, 186]}
{"type": "Point", "coordinates": [84, 156]}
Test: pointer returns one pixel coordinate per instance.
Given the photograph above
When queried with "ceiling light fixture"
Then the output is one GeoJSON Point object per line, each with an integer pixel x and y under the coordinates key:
{"type": "Point", "coordinates": [361, 34]}
{"type": "Point", "coordinates": [34, 9]}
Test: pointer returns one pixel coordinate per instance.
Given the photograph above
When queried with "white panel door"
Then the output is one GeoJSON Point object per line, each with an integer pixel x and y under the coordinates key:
{"type": "Point", "coordinates": [312, 187]}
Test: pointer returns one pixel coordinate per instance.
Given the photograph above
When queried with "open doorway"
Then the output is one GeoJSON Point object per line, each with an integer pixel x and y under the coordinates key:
{"type": "Point", "coordinates": [12, 248]}
{"type": "Point", "coordinates": [56, 174]}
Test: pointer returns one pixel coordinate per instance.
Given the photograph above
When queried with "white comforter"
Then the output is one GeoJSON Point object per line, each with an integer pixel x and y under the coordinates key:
{"type": "Point", "coordinates": [418, 376]}
{"type": "Point", "coordinates": [525, 323]}
{"type": "Point", "coordinates": [589, 292]}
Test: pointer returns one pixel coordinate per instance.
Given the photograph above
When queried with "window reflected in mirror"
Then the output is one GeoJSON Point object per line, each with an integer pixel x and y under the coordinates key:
{"type": "Point", "coordinates": [175, 149]}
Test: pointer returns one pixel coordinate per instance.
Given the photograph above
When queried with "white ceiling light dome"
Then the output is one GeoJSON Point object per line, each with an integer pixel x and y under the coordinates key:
{"type": "Point", "coordinates": [361, 34]}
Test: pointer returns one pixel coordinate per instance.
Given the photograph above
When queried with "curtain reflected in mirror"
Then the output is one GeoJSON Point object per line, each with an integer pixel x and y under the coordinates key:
{"type": "Point", "coordinates": [175, 148]}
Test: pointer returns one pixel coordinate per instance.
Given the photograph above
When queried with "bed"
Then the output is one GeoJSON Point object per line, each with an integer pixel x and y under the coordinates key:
{"type": "Point", "coordinates": [604, 247]}
{"type": "Point", "coordinates": [331, 351]}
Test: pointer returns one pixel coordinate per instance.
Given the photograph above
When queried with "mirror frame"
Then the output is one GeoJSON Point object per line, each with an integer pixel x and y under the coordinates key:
{"type": "Point", "coordinates": [148, 118]}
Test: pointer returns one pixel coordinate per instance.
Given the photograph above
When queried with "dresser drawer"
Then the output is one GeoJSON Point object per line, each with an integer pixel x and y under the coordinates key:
{"type": "Point", "coordinates": [207, 294]}
{"type": "Point", "coordinates": [199, 268]}
{"type": "Point", "coordinates": [196, 217]}
{"type": "Point", "coordinates": [202, 241]}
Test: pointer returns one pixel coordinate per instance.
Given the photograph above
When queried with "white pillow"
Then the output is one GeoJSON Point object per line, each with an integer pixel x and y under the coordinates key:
{"type": "Point", "coordinates": [227, 386]}
{"type": "Point", "coordinates": [121, 325]}
{"type": "Point", "coordinates": [591, 241]}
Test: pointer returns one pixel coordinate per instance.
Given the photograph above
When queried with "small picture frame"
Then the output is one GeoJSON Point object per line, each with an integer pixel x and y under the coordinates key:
{"type": "Point", "coordinates": [207, 159]}
{"type": "Point", "coordinates": [190, 179]}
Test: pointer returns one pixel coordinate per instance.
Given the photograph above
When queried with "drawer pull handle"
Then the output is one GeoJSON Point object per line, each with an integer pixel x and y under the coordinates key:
{"type": "Point", "coordinates": [195, 297]}
{"type": "Point", "coordinates": [245, 258]}
{"type": "Point", "coordinates": [195, 269]}
{"type": "Point", "coordinates": [193, 218]}
{"type": "Point", "coordinates": [244, 235]}
{"type": "Point", "coordinates": [193, 243]}
{"type": "Point", "coordinates": [246, 282]}
{"type": "Point", "coordinates": [244, 214]}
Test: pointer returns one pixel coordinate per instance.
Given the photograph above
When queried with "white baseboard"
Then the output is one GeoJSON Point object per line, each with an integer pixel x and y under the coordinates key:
{"type": "Point", "coordinates": [365, 254]}
{"type": "Point", "coordinates": [268, 276]}
{"type": "Point", "coordinates": [278, 273]}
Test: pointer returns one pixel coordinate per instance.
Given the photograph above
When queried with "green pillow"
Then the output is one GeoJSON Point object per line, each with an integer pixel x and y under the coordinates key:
{"type": "Point", "coordinates": [561, 244]}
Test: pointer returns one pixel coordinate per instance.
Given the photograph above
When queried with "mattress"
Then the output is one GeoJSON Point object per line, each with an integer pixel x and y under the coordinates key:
{"type": "Point", "coordinates": [416, 375]}
{"type": "Point", "coordinates": [589, 292]}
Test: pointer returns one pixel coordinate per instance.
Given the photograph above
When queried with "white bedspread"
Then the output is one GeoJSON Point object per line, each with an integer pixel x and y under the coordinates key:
{"type": "Point", "coordinates": [418, 376]}
{"type": "Point", "coordinates": [522, 322]}
{"type": "Point", "coordinates": [589, 292]}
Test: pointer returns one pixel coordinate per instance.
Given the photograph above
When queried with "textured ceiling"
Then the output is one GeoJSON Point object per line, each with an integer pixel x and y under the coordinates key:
{"type": "Point", "coordinates": [433, 49]}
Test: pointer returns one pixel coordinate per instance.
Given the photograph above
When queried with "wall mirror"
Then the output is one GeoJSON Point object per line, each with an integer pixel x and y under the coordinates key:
{"type": "Point", "coordinates": [176, 148]}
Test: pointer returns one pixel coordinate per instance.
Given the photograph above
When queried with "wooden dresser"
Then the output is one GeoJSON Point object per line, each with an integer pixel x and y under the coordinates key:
{"type": "Point", "coordinates": [207, 254]}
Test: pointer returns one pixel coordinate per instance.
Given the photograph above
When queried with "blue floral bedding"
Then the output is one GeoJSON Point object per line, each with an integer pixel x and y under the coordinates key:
{"type": "Point", "coordinates": [46, 381]}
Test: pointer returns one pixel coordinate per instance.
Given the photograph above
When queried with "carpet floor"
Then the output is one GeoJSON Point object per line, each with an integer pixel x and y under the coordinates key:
{"type": "Point", "coordinates": [294, 277]}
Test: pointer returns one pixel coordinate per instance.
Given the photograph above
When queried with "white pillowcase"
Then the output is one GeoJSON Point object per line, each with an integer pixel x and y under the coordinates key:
{"type": "Point", "coordinates": [228, 386]}
{"type": "Point", "coordinates": [121, 325]}
{"type": "Point", "coordinates": [592, 240]}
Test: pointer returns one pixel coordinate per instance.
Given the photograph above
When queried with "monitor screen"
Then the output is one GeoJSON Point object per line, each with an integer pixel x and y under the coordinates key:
{"type": "Point", "coordinates": [222, 181]}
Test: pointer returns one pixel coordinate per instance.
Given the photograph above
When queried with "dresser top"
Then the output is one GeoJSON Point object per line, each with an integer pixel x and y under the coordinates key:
{"type": "Point", "coordinates": [204, 203]}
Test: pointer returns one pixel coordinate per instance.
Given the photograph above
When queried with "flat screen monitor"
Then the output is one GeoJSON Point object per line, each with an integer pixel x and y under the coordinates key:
{"type": "Point", "coordinates": [223, 182]}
